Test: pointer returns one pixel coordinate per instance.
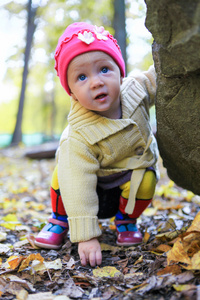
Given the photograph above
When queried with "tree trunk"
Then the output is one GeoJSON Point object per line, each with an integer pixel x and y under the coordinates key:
{"type": "Point", "coordinates": [31, 26]}
{"type": "Point", "coordinates": [120, 26]}
{"type": "Point", "coordinates": [175, 25]}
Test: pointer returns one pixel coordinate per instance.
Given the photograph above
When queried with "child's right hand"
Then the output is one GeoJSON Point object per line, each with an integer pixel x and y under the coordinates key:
{"type": "Point", "coordinates": [90, 252]}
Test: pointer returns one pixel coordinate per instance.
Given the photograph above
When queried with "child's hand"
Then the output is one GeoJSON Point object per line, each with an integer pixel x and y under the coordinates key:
{"type": "Point", "coordinates": [90, 252]}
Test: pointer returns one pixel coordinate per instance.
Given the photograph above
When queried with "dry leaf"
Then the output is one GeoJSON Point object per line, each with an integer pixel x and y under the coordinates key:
{"type": "Point", "coordinates": [140, 259]}
{"type": "Point", "coordinates": [161, 248]}
{"type": "Point", "coordinates": [174, 269]}
{"type": "Point", "coordinates": [167, 236]}
{"type": "Point", "coordinates": [106, 247]}
{"type": "Point", "coordinates": [3, 236]}
{"type": "Point", "coordinates": [4, 248]}
{"type": "Point", "coordinates": [184, 287]}
{"type": "Point", "coordinates": [14, 261]}
{"type": "Point", "coordinates": [106, 272]}
{"type": "Point", "coordinates": [150, 211]}
{"type": "Point", "coordinates": [31, 257]}
{"type": "Point", "coordinates": [146, 236]}
{"type": "Point", "coordinates": [41, 296]}
{"type": "Point", "coordinates": [178, 254]}
{"type": "Point", "coordinates": [55, 264]}
{"type": "Point", "coordinates": [186, 246]}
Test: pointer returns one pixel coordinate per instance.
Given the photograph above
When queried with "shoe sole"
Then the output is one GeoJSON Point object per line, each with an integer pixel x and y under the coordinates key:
{"type": "Point", "coordinates": [47, 246]}
{"type": "Point", "coordinates": [128, 244]}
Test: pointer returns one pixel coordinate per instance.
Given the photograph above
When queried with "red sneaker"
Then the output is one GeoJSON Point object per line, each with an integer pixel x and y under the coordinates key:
{"type": "Point", "coordinates": [128, 238]}
{"type": "Point", "coordinates": [51, 240]}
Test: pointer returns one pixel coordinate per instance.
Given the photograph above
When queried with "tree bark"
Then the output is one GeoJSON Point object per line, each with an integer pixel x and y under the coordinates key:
{"type": "Point", "coordinates": [175, 26]}
{"type": "Point", "coordinates": [120, 26]}
{"type": "Point", "coordinates": [31, 26]}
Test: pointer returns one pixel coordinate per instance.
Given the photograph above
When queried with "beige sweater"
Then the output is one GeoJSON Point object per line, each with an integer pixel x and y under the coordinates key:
{"type": "Point", "coordinates": [93, 146]}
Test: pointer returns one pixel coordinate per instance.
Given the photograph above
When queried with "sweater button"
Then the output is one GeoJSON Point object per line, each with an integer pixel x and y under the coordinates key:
{"type": "Point", "coordinates": [139, 150]}
{"type": "Point", "coordinates": [129, 127]}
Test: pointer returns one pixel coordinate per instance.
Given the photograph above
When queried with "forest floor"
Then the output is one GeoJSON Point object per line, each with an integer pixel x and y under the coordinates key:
{"type": "Point", "coordinates": [165, 266]}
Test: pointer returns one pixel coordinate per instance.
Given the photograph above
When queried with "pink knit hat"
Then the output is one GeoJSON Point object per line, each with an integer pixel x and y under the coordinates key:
{"type": "Point", "coordinates": [82, 37]}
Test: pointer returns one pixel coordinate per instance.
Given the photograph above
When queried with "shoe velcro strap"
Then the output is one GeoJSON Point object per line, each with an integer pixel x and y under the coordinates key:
{"type": "Point", "coordinates": [120, 222]}
{"type": "Point", "coordinates": [58, 222]}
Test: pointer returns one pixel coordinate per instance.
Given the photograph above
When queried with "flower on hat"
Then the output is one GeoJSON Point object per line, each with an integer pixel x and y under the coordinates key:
{"type": "Point", "coordinates": [101, 33]}
{"type": "Point", "coordinates": [86, 37]}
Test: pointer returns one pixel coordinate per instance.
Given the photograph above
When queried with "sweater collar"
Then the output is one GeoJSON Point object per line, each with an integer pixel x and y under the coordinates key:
{"type": "Point", "coordinates": [93, 127]}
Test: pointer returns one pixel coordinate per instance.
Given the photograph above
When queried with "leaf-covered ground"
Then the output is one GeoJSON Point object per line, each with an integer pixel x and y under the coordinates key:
{"type": "Point", "coordinates": [165, 266]}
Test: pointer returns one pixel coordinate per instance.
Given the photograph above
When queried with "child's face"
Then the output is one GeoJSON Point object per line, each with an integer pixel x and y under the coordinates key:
{"type": "Point", "coordinates": [94, 80]}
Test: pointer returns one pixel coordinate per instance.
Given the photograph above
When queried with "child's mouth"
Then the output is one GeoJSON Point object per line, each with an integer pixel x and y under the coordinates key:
{"type": "Point", "coordinates": [101, 96]}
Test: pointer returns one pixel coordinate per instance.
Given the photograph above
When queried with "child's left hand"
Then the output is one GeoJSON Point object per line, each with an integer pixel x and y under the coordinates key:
{"type": "Point", "coordinates": [90, 252]}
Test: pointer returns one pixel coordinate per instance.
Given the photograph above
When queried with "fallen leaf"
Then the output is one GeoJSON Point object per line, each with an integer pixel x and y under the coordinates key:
{"type": "Point", "coordinates": [3, 236]}
{"type": "Point", "coordinates": [14, 261]}
{"type": "Point", "coordinates": [167, 236]}
{"type": "Point", "coordinates": [70, 289]}
{"type": "Point", "coordinates": [161, 248]}
{"type": "Point", "coordinates": [55, 264]}
{"type": "Point", "coordinates": [10, 218]}
{"type": "Point", "coordinates": [31, 257]}
{"type": "Point", "coordinates": [139, 260]}
{"type": "Point", "coordinates": [146, 237]}
{"type": "Point", "coordinates": [19, 244]}
{"type": "Point", "coordinates": [5, 248]}
{"type": "Point", "coordinates": [184, 287]}
{"type": "Point", "coordinates": [186, 246]}
{"type": "Point", "coordinates": [178, 254]}
{"type": "Point", "coordinates": [42, 296]}
{"type": "Point", "coordinates": [150, 211]}
{"type": "Point", "coordinates": [106, 247]}
{"type": "Point", "coordinates": [15, 289]}
{"type": "Point", "coordinates": [24, 283]}
{"type": "Point", "coordinates": [70, 264]}
{"type": "Point", "coordinates": [195, 262]}
{"type": "Point", "coordinates": [174, 269]}
{"type": "Point", "coordinates": [106, 272]}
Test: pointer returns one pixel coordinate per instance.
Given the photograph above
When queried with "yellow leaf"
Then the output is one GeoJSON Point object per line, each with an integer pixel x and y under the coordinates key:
{"type": "Point", "coordinates": [10, 225]}
{"type": "Point", "coordinates": [14, 261]}
{"type": "Point", "coordinates": [195, 262]}
{"type": "Point", "coordinates": [184, 287]}
{"type": "Point", "coordinates": [140, 259]}
{"type": "Point", "coordinates": [146, 237]}
{"type": "Point", "coordinates": [106, 272]}
{"type": "Point", "coordinates": [31, 257]}
{"type": "Point", "coordinates": [167, 236]}
{"type": "Point", "coordinates": [150, 211]}
{"type": "Point", "coordinates": [162, 248]}
{"type": "Point", "coordinates": [178, 254]}
{"type": "Point", "coordinates": [106, 247]}
{"type": "Point", "coordinates": [186, 246]}
{"type": "Point", "coordinates": [10, 218]}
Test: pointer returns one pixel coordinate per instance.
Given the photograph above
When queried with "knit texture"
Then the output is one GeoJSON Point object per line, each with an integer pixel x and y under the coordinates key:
{"type": "Point", "coordinates": [93, 146]}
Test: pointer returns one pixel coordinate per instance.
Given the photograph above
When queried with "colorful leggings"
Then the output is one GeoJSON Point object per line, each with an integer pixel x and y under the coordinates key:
{"type": "Point", "coordinates": [112, 200]}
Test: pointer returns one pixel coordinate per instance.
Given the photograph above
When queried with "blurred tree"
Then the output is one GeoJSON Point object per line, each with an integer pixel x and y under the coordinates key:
{"type": "Point", "coordinates": [119, 25]}
{"type": "Point", "coordinates": [31, 26]}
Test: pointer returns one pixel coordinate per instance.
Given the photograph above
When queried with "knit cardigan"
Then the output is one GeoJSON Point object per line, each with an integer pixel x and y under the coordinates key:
{"type": "Point", "coordinates": [92, 146]}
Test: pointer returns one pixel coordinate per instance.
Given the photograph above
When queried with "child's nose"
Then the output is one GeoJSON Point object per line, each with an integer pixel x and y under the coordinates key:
{"type": "Point", "coordinates": [96, 82]}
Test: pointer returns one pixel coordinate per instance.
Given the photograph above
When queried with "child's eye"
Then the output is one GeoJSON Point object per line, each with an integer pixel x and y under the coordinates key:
{"type": "Point", "coordinates": [81, 77]}
{"type": "Point", "coordinates": [104, 70]}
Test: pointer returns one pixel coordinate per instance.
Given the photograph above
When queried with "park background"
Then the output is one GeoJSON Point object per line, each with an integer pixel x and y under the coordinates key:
{"type": "Point", "coordinates": [46, 104]}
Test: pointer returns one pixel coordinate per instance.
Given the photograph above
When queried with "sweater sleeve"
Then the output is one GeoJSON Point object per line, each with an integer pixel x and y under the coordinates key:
{"type": "Point", "coordinates": [147, 80]}
{"type": "Point", "coordinates": [77, 169]}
